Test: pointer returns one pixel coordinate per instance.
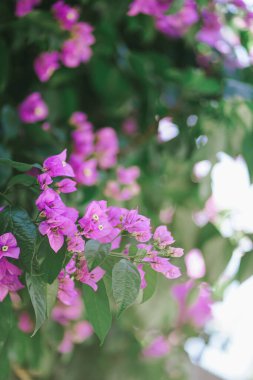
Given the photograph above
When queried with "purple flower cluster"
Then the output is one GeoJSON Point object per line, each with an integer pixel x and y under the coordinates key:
{"type": "Point", "coordinates": [91, 150]}
{"type": "Point", "coordinates": [75, 50]}
{"type": "Point", "coordinates": [9, 273]}
{"type": "Point", "coordinates": [125, 187]}
{"type": "Point", "coordinates": [23, 7]}
{"type": "Point", "coordinates": [69, 311]}
{"type": "Point", "coordinates": [173, 25]}
{"type": "Point", "coordinates": [59, 221]}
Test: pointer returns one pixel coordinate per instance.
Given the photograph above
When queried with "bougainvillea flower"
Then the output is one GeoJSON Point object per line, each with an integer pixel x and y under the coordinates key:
{"type": "Point", "coordinates": [85, 171]}
{"type": "Point", "coordinates": [55, 229]}
{"type": "Point", "coordinates": [78, 119]}
{"type": "Point", "coordinates": [107, 147]}
{"type": "Point", "coordinates": [23, 7]}
{"type": "Point", "coordinates": [44, 180]}
{"type": "Point", "coordinates": [63, 314]}
{"type": "Point", "coordinates": [78, 333]}
{"type": "Point", "coordinates": [159, 347]}
{"type": "Point", "coordinates": [210, 33]}
{"type": "Point", "coordinates": [50, 202]}
{"type": "Point", "coordinates": [162, 265]}
{"type": "Point", "coordinates": [46, 64]}
{"type": "Point", "coordinates": [66, 289]}
{"type": "Point", "coordinates": [175, 25]}
{"type": "Point", "coordinates": [142, 275]}
{"type": "Point", "coordinates": [149, 7]}
{"type": "Point", "coordinates": [8, 246]}
{"type": "Point", "coordinates": [9, 278]}
{"type": "Point", "coordinates": [75, 243]}
{"type": "Point", "coordinates": [89, 278]}
{"type": "Point", "coordinates": [200, 311]}
{"type": "Point", "coordinates": [33, 109]}
{"type": "Point", "coordinates": [25, 323]}
{"type": "Point", "coordinates": [95, 223]}
{"type": "Point", "coordinates": [66, 186]}
{"type": "Point", "coordinates": [76, 50]}
{"type": "Point", "coordinates": [138, 226]}
{"type": "Point", "coordinates": [57, 166]}
{"type": "Point", "coordinates": [126, 176]}
{"type": "Point", "coordinates": [163, 237]}
{"type": "Point", "coordinates": [83, 142]}
{"type": "Point", "coordinates": [66, 15]}
{"type": "Point", "coordinates": [176, 252]}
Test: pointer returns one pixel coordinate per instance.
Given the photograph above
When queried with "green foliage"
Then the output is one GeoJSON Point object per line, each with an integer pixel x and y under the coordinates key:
{"type": "Point", "coordinates": [125, 284]}
{"type": "Point", "coordinates": [98, 310]}
{"type": "Point", "coordinates": [96, 253]}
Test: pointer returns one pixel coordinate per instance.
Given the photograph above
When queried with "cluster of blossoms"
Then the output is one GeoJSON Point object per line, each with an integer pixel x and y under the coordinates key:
{"type": "Point", "coordinates": [68, 311]}
{"type": "Point", "coordinates": [74, 51]}
{"type": "Point", "coordinates": [215, 30]}
{"type": "Point", "coordinates": [195, 313]}
{"type": "Point", "coordinates": [98, 150]}
{"type": "Point", "coordinates": [91, 150]}
{"type": "Point", "coordinates": [125, 187]}
{"type": "Point", "coordinates": [100, 222]}
{"type": "Point", "coordinates": [173, 25]}
{"type": "Point", "coordinates": [9, 273]}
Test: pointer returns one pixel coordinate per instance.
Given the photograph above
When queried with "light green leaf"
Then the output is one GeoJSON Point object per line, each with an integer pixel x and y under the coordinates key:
{"type": "Point", "coordinates": [51, 291]}
{"type": "Point", "coordinates": [125, 284]}
{"type": "Point", "coordinates": [95, 253]}
{"type": "Point", "coordinates": [151, 278]}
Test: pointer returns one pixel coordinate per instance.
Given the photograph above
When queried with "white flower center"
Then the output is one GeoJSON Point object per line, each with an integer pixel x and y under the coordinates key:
{"type": "Point", "coordinates": [5, 248]}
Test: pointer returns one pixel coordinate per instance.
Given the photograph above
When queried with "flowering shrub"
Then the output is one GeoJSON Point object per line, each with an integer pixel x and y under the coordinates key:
{"type": "Point", "coordinates": [112, 115]}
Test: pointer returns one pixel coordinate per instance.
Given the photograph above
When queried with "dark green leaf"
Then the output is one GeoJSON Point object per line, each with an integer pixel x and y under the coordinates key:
{"type": "Point", "coordinates": [22, 179]}
{"type": "Point", "coordinates": [125, 284]}
{"type": "Point", "coordinates": [98, 309]}
{"type": "Point", "coordinates": [20, 166]}
{"type": "Point", "coordinates": [52, 262]}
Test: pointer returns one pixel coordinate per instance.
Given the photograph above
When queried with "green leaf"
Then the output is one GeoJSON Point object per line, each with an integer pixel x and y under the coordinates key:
{"type": "Point", "coordinates": [22, 179]}
{"type": "Point", "coordinates": [51, 296]}
{"type": "Point", "coordinates": [37, 289]}
{"type": "Point", "coordinates": [95, 253]}
{"type": "Point", "coordinates": [151, 278]}
{"type": "Point", "coordinates": [246, 267]}
{"type": "Point", "coordinates": [18, 222]}
{"type": "Point", "coordinates": [98, 309]}
{"type": "Point", "coordinates": [52, 262]}
{"type": "Point", "coordinates": [125, 284]}
{"type": "Point", "coordinates": [10, 122]}
{"type": "Point", "coordinates": [20, 166]}
{"type": "Point", "coordinates": [6, 321]}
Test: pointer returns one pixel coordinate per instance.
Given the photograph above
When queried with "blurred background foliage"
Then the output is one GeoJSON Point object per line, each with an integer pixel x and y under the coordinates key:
{"type": "Point", "coordinates": [135, 72]}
